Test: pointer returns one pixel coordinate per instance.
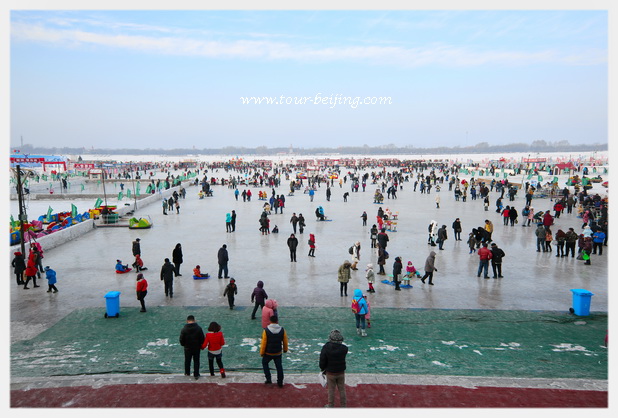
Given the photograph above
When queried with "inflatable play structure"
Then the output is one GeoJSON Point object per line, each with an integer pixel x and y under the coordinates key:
{"type": "Point", "coordinates": [52, 222]}
{"type": "Point", "coordinates": [140, 223]}
{"type": "Point", "coordinates": [44, 225]}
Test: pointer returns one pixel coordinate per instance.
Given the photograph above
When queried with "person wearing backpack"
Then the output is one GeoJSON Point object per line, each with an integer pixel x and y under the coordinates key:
{"type": "Point", "coordinates": [524, 213]}
{"type": "Point", "coordinates": [359, 308]}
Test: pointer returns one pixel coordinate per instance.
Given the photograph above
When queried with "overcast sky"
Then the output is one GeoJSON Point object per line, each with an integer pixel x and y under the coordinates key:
{"type": "Point", "coordinates": [168, 79]}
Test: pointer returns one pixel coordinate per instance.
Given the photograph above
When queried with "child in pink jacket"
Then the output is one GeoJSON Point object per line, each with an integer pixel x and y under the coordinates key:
{"type": "Point", "coordinates": [270, 309]}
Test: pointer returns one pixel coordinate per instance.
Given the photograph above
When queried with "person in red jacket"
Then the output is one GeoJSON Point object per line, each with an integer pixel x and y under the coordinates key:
{"type": "Point", "coordinates": [141, 289]}
{"type": "Point", "coordinates": [558, 208]}
{"type": "Point", "coordinates": [484, 257]}
{"type": "Point", "coordinates": [548, 220]}
{"type": "Point", "coordinates": [214, 341]}
{"type": "Point", "coordinates": [311, 245]}
{"type": "Point", "coordinates": [31, 271]}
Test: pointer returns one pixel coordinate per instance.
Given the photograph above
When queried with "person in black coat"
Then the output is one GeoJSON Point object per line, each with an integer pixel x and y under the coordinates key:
{"type": "Point", "coordinates": [513, 215]}
{"type": "Point", "coordinates": [381, 260]}
{"type": "Point", "coordinates": [397, 267]}
{"type": "Point", "coordinates": [496, 260]}
{"type": "Point", "coordinates": [167, 275]}
{"type": "Point", "coordinates": [19, 266]}
{"type": "Point", "coordinates": [222, 259]}
{"type": "Point", "coordinates": [177, 259]}
{"type": "Point", "coordinates": [383, 238]}
{"type": "Point", "coordinates": [442, 236]}
{"type": "Point", "coordinates": [483, 235]}
{"type": "Point", "coordinates": [292, 244]}
{"type": "Point", "coordinates": [457, 229]}
{"type": "Point", "coordinates": [333, 364]}
{"type": "Point", "coordinates": [191, 338]}
{"type": "Point", "coordinates": [136, 249]}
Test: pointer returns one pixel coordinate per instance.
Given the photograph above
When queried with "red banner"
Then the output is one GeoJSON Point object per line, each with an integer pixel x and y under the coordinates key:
{"type": "Point", "coordinates": [535, 160]}
{"type": "Point", "coordinates": [83, 165]}
{"type": "Point", "coordinates": [27, 160]}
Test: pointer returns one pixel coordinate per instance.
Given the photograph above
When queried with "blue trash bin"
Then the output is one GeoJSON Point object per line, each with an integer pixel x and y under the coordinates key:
{"type": "Point", "coordinates": [112, 303]}
{"type": "Point", "coordinates": [581, 302]}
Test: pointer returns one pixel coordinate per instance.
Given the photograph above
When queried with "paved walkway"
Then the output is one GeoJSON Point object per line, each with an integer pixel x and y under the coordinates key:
{"type": "Point", "coordinates": [363, 391]}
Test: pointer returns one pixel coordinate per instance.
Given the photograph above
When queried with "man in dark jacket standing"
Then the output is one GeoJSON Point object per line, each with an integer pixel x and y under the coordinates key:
{"type": "Point", "coordinates": [294, 221]}
{"type": "Point", "coordinates": [233, 221]}
{"type": "Point", "coordinates": [383, 238]}
{"type": "Point", "coordinates": [191, 338]}
{"type": "Point", "coordinates": [292, 244]}
{"type": "Point", "coordinates": [571, 239]}
{"type": "Point", "coordinates": [397, 267]}
{"type": "Point", "coordinates": [177, 259]}
{"type": "Point", "coordinates": [457, 229]}
{"type": "Point", "coordinates": [496, 260]}
{"type": "Point", "coordinates": [332, 362]}
{"type": "Point", "coordinates": [222, 259]}
{"type": "Point", "coordinates": [442, 236]}
{"type": "Point", "coordinates": [167, 275]}
{"type": "Point", "coordinates": [274, 344]}
{"type": "Point", "coordinates": [136, 248]}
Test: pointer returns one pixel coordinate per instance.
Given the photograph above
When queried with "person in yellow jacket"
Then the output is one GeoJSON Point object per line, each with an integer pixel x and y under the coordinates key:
{"type": "Point", "coordinates": [489, 227]}
{"type": "Point", "coordinates": [274, 344]}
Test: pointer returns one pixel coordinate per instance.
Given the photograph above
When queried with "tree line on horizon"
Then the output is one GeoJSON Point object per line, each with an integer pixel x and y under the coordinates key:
{"type": "Point", "coordinates": [480, 148]}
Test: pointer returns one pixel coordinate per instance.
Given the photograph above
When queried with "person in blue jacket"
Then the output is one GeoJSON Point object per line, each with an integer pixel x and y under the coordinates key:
{"type": "Point", "coordinates": [50, 275]}
{"type": "Point", "coordinates": [360, 316]}
{"type": "Point", "coordinates": [228, 222]}
{"type": "Point", "coordinates": [121, 267]}
{"type": "Point", "coordinates": [597, 241]}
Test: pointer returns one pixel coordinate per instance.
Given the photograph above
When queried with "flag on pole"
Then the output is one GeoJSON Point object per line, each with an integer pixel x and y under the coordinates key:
{"type": "Point", "coordinates": [49, 214]}
{"type": "Point", "coordinates": [540, 178]}
{"type": "Point", "coordinates": [129, 193]}
{"type": "Point", "coordinates": [137, 189]}
{"type": "Point", "coordinates": [73, 211]}
{"type": "Point", "coordinates": [83, 187]}
{"type": "Point", "coordinates": [97, 204]}
{"type": "Point", "coordinates": [119, 196]}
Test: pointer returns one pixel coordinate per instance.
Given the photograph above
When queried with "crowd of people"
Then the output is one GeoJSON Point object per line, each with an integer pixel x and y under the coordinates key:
{"type": "Point", "coordinates": [590, 238]}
